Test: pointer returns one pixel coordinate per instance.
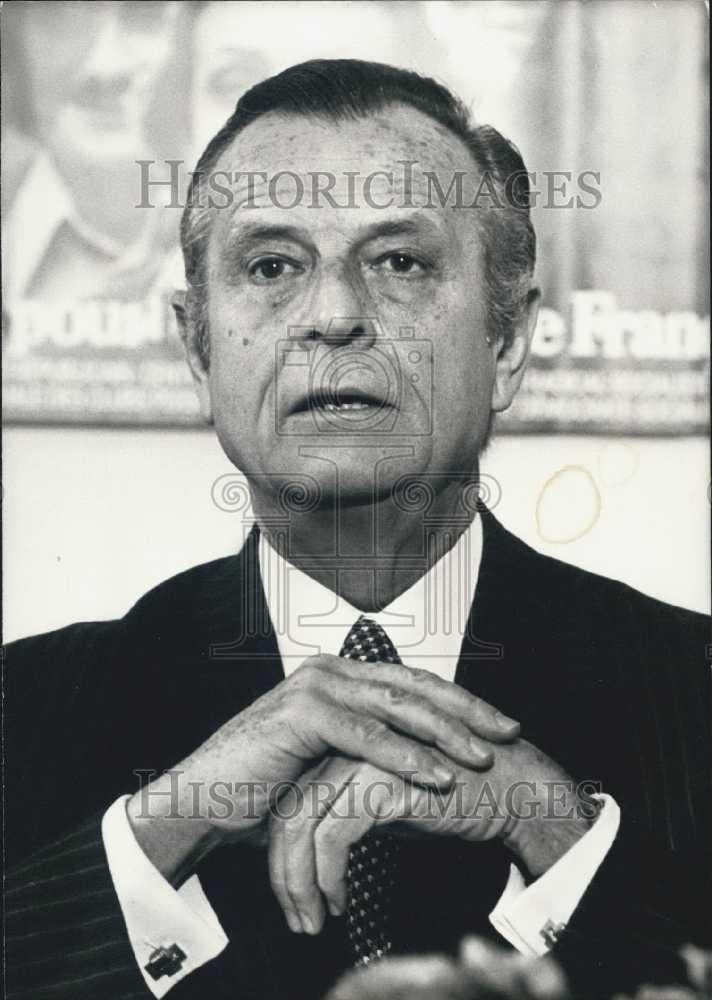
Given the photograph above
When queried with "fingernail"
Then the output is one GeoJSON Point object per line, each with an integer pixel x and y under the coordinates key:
{"type": "Point", "coordinates": [443, 774]}
{"type": "Point", "coordinates": [294, 922]}
{"type": "Point", "coordinates": [504, 723]}
{"type": "Point", "coordinates": [480, 752]}
{"type": "Point", "coordinates": [334, 909]}
{"type": "Point", "coordinates": [308, 924]}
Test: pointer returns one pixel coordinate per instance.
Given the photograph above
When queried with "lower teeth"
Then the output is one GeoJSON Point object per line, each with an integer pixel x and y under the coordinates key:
{"type": "Point", "coordinates": [345, 406]}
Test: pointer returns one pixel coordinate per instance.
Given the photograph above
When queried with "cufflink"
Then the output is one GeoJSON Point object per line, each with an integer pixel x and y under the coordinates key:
{"type": "Point", "coordinates": [165, 961]}
{"type": "Point", "coordinates": [589, 808]}
{"type": "Point", "coordinates": [551, 932]}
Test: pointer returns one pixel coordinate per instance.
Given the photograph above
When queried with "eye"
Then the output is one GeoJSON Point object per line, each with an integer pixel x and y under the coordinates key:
{"type": "Point", "coordinates": [271, 269]}
{"type": "Point", "coordinates": [401, 263]}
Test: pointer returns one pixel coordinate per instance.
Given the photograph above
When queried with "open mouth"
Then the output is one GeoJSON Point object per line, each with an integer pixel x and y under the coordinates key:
{"type": "Point", "coordinates": [339, 402]}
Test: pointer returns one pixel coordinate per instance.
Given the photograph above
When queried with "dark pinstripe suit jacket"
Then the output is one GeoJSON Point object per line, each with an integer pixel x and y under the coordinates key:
{"type": "Point", "coordinates": [612, 684]}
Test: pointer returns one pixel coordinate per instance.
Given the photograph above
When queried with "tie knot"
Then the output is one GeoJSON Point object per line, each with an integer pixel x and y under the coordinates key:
{"type": "Point", "coordinates": [369, 643]}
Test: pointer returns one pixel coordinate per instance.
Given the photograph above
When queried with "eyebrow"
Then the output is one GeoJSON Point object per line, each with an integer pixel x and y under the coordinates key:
{"type": "Point", "coordinates": [252, 232]}
{"type": "Point", "coordinates": [420, 225]}
{"type": "Point", "coordinates": [398, 227]}
{"type": "Point", "coordinates": [244, 234]}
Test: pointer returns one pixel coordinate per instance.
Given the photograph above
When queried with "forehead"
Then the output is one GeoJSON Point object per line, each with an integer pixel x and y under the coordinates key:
{"type": "Point", "coordinates": [380, 164]}
{"type": "Point", "coordinates": [395, 131]}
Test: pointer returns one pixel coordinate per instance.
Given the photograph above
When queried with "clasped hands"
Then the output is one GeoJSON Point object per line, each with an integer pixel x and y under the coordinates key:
{"type": "Point", "coordinates": [340, 747]}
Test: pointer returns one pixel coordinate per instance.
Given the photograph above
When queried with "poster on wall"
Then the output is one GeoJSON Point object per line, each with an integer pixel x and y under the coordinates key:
{"type": "Point", "coordinates": [98, 142]}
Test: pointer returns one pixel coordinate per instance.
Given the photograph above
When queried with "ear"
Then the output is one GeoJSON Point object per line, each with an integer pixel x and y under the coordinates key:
{"type": "Point", "coordinates": [186, 313]}
{"type": "Point", "coordinates": [511, 358]}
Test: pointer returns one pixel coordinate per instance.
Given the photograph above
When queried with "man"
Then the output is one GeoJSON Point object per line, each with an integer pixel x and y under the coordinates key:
{"type": "Point", "coordinates": [387, 723]}
{"type": "Point", "coordinates": [94, 108]}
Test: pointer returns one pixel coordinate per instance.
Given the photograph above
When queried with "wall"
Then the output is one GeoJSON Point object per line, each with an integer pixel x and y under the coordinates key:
{"type": "Point", "coordinates": [95, 518]}
{"type": "Point", "coordinates": [92, 519]}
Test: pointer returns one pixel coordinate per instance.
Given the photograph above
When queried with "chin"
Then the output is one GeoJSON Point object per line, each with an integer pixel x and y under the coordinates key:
{"type": "Point", "coordinates": [355, 475]}
{"type": "Point", "coordinates": [309, 473]}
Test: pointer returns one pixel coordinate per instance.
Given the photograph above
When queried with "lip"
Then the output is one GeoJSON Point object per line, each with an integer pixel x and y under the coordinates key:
{"type": "Point", "coordinates": [327, 400]}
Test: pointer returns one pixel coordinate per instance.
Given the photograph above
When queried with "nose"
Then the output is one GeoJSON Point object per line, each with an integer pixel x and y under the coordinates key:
{"type": "Point", "coordinates": [340, 313]}
{"type": "Point", "coordinates": [110, 58]}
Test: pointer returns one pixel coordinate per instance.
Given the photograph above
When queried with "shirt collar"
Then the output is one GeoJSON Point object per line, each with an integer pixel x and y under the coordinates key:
{"type": "Point", "coordinates": [426, 623]}
{"type": "Point", "coordinates": [40, 207]}
{"type": "Point", "coordinates": [43, 204]}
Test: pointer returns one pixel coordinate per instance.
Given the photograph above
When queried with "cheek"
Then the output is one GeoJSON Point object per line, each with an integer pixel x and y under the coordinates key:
{"type": "Point", "coordinates": [460, 347]}
{"type": "Point", "coordinates": [234, 369]}
{"type": "Point", "coordinates": [463, 374]}
{"type": "Point", "coordinates": [235, 338]}
{"type": "Point", "coordinates": [244, 350]}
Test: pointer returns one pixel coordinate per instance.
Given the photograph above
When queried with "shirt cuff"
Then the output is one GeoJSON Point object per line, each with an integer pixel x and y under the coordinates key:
{"type": "Point", "coordinates": [531, 918]}
{"type": "Point", "coordinates": [157, 915]}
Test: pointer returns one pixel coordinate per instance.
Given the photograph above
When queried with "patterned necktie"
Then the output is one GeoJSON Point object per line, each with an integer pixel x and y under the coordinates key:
{"type": "Point", "coordinates": [373, 859]}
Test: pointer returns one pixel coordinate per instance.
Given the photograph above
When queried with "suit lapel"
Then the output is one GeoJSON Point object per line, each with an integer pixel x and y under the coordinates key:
{"type": "Point", "coordinates": [509, 606]}
{"type": "Point", "coordinates": [526, 655]}
{"type": "Point", "coordinates": [237, 643]}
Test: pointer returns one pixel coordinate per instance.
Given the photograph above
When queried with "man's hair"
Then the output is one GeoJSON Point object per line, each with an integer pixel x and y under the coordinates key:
{"type": "Point", "coordinates": [347, 89]}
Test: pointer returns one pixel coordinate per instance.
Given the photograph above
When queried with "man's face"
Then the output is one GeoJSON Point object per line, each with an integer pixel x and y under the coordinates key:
{"type": "Point", "coordinates": [93, 70]}
{"type": "Point", "coordinates": [348, 342]}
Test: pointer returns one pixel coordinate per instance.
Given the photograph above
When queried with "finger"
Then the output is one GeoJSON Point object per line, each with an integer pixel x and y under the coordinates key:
{"type": "Point", "coordinates": [370, 803]}
{"type": "Point", "coordinates": [372, 740]}
{"type": "Point", "coordinates": [433, 725]}
{"type": "Point", "coordinates": [408, 711]}
{"type": "Point", "coordinates": [297, 842]}
{"type": "Point", "coordinates": [481, 718]}
{"type": "Point", "coordinates": [332, 842]}
{"type": "Point", "coordinates": [299, 862]}
{"type": "Point", "coordinates": [278, 879]}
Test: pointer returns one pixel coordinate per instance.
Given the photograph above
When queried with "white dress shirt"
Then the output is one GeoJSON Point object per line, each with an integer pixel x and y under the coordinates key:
{"type": "Point", "coordinates": [426, 624]}
{"type": "Point", "coordinates": [42, 206]}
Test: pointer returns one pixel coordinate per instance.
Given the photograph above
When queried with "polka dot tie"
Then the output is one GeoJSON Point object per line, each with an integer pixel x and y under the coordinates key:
{"type": "Point", "coordinates": [371, 873]}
